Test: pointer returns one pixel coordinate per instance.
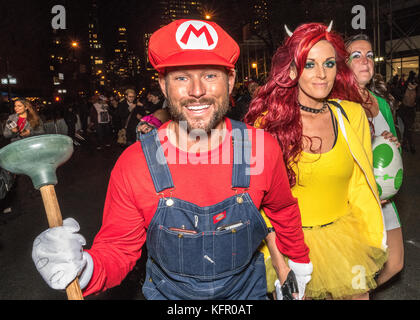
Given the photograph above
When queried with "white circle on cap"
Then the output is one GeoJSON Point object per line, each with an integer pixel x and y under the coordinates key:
{"type": "Point", "coordinates": [195, 35]}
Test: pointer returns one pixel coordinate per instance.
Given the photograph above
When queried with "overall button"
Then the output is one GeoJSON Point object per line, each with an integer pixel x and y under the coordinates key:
{"type": "Point", "coordinates": [170, 202]}
{"type": "Point", "coordinates": [239, 200]}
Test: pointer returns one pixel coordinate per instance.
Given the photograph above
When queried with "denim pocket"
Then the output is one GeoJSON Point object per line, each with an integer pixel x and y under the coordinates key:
{"type": "Point", "coordinates": [205, 254]}
{"type": "Point", "coordinates": [180, 252]}
{"type": "Point", "coordinates": [232, 248]}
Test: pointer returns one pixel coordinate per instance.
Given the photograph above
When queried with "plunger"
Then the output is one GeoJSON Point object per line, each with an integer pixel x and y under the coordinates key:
{"type": "Point", "coordinates": [39, 157]}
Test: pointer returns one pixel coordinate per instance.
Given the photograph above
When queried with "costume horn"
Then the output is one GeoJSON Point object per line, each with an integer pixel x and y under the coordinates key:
{"type": "Point", "coordinates": [330, 26]}
{"type": "Point", "coordinates": [290, 33]}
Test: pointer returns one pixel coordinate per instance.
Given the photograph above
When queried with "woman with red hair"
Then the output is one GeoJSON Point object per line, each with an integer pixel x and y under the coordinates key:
{"type": "Point", "coordinates": [326, 145]}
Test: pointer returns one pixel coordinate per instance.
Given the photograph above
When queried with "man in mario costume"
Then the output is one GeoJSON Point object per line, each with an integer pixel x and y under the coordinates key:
{"type": "Point", "coordinates": [190, 190]}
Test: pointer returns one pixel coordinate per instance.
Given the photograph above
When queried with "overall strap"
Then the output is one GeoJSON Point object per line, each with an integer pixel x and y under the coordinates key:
{"type": "Point", "coordinates": [241, 155]}
{"type": "Point", "coordinates": [158, 166]}
{"type": "Point", "coordinates": [156, 161]}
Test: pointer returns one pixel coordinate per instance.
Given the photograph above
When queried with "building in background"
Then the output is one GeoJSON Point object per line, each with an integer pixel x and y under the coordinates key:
{"type": "Point", "coordinates": [254, 62]}
{"type": "Point", "coordinates": [171, 10]}
{"type": "Point", "coordinates": [397, 32]}
{"type": "Point", "coordinates": [146, 38]}
{"type": "Point", "coordinates": [396, 35]}
{"type": "Point", "coordinates": [168, 11]}
{"type": "Point", "coordinates": [97, 61]}
{"type": "Point", "coordinates": [57, 58]}
{"type": "Point", "coordinates": [125, 67]}
{"type": "Point", "coordinates": [67, 67]}
{"type": "Point", "coordinates": [120, 62]}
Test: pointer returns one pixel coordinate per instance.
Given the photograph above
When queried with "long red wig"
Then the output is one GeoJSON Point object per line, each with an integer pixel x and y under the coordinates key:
{"type": "Point", "coordinates": [278, 98]}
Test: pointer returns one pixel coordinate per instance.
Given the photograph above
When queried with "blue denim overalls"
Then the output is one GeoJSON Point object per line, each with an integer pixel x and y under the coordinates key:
{"type": "Point", "coordinates": [204, 252]}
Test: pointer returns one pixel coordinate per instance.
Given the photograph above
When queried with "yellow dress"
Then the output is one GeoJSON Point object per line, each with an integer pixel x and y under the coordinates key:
{"type": "Point", "coordinates": [345, 263]}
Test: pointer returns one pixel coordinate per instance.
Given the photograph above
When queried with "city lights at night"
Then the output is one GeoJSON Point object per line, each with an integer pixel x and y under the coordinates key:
{"type": "Point", "coordinates": [222, 150]}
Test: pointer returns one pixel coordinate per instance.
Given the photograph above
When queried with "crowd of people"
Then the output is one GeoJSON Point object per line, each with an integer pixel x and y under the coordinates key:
{"type": "Point", "coordinates": [314, 209]}
{"type": "Point", "coordinates": [116, 120]}
{"type": "Point", "coordinates": [113, 119]}
{"type": "Point", "coordinates": [104, 115]}
{"type": "Point", "coordinates": [406, 93]}
{"type": "Point", "coordinates": [101, 120]}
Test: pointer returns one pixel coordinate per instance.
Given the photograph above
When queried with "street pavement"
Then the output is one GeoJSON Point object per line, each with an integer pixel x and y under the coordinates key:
{"type": "Point", "coordinates": [81, 190]}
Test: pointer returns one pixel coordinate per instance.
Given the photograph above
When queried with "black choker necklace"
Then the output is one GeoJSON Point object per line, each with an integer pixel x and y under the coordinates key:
{"type": "Point", "coordinates": [313, 110]}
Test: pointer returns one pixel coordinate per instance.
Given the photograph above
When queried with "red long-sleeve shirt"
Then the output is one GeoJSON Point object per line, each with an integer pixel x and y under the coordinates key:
{"type": "Point", "coordinates": [132, 201]}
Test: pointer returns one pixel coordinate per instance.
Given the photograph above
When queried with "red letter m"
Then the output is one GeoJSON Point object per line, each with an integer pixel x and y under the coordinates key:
{"type": "Point", "coordinates": [197, 33]}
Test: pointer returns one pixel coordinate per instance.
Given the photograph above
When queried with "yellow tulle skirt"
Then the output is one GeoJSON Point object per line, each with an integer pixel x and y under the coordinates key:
{"type": "Point", "coordinates": [343, 263]}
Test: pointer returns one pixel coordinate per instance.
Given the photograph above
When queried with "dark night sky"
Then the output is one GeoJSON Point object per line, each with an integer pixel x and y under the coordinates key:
{"type": "Point", "coordinates": [25, 26]}
{"type": "Point", "coordinates": [25, 31]}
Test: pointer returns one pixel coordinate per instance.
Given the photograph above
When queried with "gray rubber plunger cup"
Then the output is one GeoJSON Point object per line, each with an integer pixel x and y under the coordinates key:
{"type": "Point", "coordinates": [37, 157]}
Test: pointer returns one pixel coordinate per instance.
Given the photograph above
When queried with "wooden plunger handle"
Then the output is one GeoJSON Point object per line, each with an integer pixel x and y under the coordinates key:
{"type": "Point", "coordinates": [55, 220]}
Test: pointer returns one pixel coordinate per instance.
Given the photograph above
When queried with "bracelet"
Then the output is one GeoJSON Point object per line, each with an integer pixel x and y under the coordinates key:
{"type": "Point", "coordinates": [271, 229]}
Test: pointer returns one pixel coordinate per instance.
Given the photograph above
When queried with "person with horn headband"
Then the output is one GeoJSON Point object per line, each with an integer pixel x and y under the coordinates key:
{"type": "Point", "coordinates": [311, 104]}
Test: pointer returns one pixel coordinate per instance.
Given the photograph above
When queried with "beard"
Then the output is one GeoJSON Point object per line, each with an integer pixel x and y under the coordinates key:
{"type": "Point", "coordinates": [220, 111]}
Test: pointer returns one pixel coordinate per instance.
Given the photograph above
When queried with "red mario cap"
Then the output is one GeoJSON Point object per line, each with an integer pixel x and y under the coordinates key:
{"type": "Point", "coordinates": [192, 42]}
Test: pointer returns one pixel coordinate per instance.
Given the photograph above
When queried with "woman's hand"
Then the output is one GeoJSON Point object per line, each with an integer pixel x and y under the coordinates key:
{"type": "Point", "coordinates": [25, 133]}
{"type": "Point", "coordinates": [384, 202]}
{"type": "Point", "coordinates": [15, 130]}
{"type": "Point", "coordinates": [145, 128]}
{"type": "Point", "coordinates": [389, 136]}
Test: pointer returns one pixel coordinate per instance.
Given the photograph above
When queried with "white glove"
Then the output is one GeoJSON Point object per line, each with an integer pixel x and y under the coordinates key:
{"type": "Point", "coordinates": [279, 293]}
{"type": "Point", "coordinates": [303, 273]}
{"type": "Point", "coordinates": [59, 257]}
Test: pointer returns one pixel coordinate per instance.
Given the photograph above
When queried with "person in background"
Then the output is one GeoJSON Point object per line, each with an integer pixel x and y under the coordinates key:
{"type": "Point", "coordinates": [130, 110]}
{"type": "Point", "coordinates": [377, 102]}
{"type": "Point", "coordinates": [126, 106]}
{"type": "Point", "coordinates": [154, 101]}
{"type": "Point", "coordinates": [115, 118]}
{"type": "Point", "coordinates": [132, 122]}
{"type": "Point", "coordinates": [70, 117]}
{"type": "Point", "coordinates": [83, 111]}
{"type": "Point", "coordinates": [407, 112]}
{"type": "Point", "coordinates": [253, 89]}
{"type": "Point", "coordinates": [24, 123]}
{"type": "Point", "coordinates": [156, 110]}
{"type": "Point", "coordinates": [101, 120]}
{"type": "Point", "coordinates": [240, 99]}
